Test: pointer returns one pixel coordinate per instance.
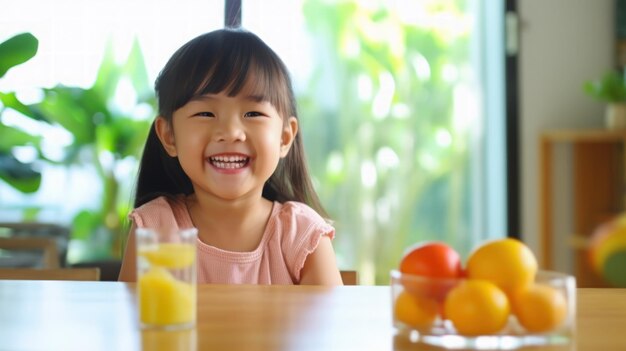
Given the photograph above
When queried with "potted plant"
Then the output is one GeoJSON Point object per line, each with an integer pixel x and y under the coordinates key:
{"type": "Point", "coordinates": [611, 88]}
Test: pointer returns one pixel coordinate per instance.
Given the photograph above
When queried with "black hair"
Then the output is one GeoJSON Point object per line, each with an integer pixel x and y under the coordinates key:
{"type": "Point", "coordinates": [223, 61]}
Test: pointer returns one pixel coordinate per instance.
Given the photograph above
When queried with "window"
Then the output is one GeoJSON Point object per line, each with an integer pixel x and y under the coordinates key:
{"type": "Point", "coordinates": [402, 112]}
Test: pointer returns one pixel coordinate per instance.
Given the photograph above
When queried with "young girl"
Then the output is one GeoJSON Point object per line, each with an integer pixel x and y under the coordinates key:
{"type": "Point", "coordinates": [225, 156]}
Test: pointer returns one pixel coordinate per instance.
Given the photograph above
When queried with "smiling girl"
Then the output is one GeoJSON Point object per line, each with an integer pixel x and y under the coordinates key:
{"type": "Point", "coordinates": [225, 156]}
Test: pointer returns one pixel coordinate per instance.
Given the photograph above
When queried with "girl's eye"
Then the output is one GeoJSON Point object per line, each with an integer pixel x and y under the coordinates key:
{"type": "Point", "coordinates": [253, 114]}
{"type": "Point", "coordinates": [204, 114]}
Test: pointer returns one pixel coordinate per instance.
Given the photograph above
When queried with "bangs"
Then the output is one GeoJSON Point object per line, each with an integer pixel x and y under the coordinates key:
{"type": "Point", "coordinates": [232, 62]}
{"type": "Point", "coordinates": [250, 76]}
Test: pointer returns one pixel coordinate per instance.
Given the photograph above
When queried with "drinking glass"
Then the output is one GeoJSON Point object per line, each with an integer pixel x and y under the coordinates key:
{"type": "Point", "coordinates": [166, 277]}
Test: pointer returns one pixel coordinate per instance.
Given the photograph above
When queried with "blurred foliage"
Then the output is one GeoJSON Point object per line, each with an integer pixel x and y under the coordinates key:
{"type": "Point", "coordinates": [102, 136]}
{"type": "Point", "coordinates": [389, 161]}
{"type": "Point", "coordinates": [24, 177]}
{"type": "Point", "coordinates": [611, 87]}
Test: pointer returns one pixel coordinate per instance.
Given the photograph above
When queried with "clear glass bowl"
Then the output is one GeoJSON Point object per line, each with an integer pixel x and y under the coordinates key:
{"type": "Point", "coordinates": [441, 331]}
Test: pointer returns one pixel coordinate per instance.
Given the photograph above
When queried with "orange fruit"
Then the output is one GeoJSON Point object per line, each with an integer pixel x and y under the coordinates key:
{"type": "Point", "coordinates": [540, 308]}
{"type": "Point", "coordinates": [477, 307]}
{"type": "Point", "coordinates": [508, 263]}
{"type": "Point", "coordinates": [415, 311]}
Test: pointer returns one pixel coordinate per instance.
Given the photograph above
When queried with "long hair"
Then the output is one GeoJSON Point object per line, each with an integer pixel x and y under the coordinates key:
{"type": "Point", "coordinates": [224, 60]}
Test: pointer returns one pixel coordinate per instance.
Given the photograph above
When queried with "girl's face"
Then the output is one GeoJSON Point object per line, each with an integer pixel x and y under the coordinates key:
{"type": "Point", "coordinates": [228, 146]}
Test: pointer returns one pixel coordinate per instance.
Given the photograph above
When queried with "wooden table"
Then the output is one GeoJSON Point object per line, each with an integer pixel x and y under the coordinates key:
{"type": "Point", "coordinates": [47, 315]}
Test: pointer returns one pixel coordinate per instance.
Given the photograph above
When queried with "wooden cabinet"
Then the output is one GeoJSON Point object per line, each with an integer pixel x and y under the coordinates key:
{"type": "Point", "coordinates": [598, 193]}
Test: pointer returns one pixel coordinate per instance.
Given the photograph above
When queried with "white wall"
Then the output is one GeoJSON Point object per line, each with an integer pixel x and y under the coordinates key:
{"type": "Point", "coordinates": [562, 44]}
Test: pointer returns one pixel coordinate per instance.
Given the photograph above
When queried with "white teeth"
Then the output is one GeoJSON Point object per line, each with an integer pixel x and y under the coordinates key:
{"type": "Point", "coordinates": [228, 159]}
{"type": "Point", "coordinates": [229, 162]}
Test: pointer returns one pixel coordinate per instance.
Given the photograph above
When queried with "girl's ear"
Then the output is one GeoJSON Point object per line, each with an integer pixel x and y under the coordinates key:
{"type": "Point", "coordinates": [166, 135]}
{"type": "Point", "coordinates": [290, 130]}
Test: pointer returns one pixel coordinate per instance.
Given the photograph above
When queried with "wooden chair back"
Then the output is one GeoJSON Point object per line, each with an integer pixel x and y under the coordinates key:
{"type": "Point", "coordinates": [84, 274]}
{"type": "Point", "coordinates": [59, 233]}
{"type": "Point", "coordinates": [48, 246]}
{"type": "Point", "coordinates": [349, 277]}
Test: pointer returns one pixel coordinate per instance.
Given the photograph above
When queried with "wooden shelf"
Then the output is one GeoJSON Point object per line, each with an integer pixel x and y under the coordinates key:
{"type": "Point", "coordinates": [598, 163]}
{"type": "Point", "coordinates": [584, 135]}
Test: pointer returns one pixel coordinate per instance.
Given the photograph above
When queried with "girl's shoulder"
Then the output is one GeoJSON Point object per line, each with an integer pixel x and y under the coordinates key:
{"type": "Point", "coordinates": [162, 203]}
{"type": "Point", "coordinates": [161, 211]}
{"type": "Point", "coordinates": [301, 212]}
{"type": "Point", "coordinates": [295, 220]}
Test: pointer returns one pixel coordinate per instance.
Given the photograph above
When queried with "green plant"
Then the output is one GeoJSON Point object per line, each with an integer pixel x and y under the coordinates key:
{"type": "Point", "coordinates": [104, 136]}
{"type": "Point", "coordinates": [609, 88]}
{"type": "Point", "coordinates": [20, 175]}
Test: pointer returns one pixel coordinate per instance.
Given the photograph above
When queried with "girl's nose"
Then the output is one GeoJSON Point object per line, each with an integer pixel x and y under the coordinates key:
{"type": "Point", "coordinates": [229, 130]}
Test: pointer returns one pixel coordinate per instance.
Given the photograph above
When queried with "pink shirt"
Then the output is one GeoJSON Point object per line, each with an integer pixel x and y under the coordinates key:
{"type": "Point", "coordinates": [292, 233]}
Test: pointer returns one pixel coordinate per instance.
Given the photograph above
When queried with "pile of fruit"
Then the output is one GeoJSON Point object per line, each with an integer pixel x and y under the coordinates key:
{"type": "Point", "coordinates": [496, 288]}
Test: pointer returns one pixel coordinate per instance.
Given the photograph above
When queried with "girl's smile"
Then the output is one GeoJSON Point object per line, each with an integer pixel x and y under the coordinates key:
{"type": "Point", "coordinates": [229, 162]}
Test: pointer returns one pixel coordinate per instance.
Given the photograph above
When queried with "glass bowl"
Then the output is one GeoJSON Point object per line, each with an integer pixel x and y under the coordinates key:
{"type": "Point", "coordinates": [425, 322]}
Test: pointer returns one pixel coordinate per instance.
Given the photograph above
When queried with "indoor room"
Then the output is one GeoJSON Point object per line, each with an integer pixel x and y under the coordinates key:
{"type": "Point", "coordinates": [312, 174]}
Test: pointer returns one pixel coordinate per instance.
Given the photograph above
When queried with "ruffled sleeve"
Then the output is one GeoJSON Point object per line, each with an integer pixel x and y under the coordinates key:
{"type": "Point", "coordinates": [163, 213]}
{"type": "Point", "coordinates": [302, 229]}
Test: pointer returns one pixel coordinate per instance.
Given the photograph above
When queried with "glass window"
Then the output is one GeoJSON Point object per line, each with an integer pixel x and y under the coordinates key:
{"type": "Point", "coordinates": [73, 35]}
{"type": "Point", "coordinates": [97, 61]}
{"type": "Point", "coordinates": [402, 113]}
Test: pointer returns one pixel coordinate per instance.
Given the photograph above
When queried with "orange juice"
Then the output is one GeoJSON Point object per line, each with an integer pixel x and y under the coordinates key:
{"type": "Point", "coordinates": [164, 300]}
{"type": "Point", "coordinates": [170, 255]}
{"type": "Point", "coordinates": [166, 285]}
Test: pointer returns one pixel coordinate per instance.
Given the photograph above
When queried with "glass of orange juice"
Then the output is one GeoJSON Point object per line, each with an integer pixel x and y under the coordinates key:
{"type": "Point", "coordinates": [166, 278]}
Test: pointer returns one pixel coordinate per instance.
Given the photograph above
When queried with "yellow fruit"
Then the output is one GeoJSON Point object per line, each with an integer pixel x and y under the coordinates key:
{"type": "Point", "coordinates": [477, 307]}
{"type": "Point", "coordinates": [508, 263]}
{"type": "Point", "coordinates": [415, 311]}
{"type": "Point", "coordinates": [540, 308]}
{"type": "Point", "coordinates": [170, 255]}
